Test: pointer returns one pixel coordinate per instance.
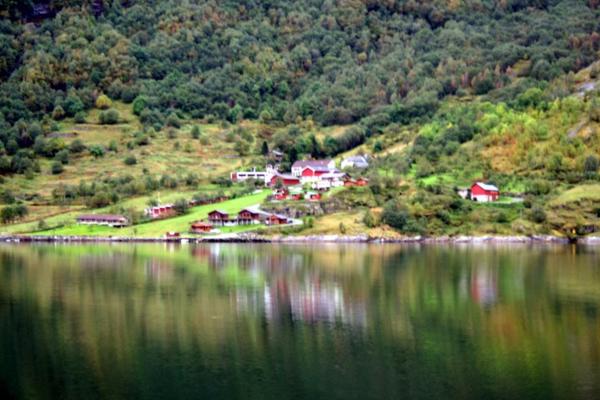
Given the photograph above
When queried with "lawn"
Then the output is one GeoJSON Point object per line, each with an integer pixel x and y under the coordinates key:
{"type": "Point", "coordinates": [160, 227]}
{"type": "Point", "coordinates": [581, 192]}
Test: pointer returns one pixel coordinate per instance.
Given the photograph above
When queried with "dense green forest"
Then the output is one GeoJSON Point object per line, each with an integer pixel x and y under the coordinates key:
{"type": "Point", "coordinates": [336, 62]}
{"type": "Point", "coordinates": [441, 93]}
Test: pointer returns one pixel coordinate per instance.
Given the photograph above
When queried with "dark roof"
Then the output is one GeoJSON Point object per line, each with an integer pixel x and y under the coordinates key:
{"type": "Point", "coordinates": [103, 217]}
{"type": "Point", "coordinates": [218, 211]}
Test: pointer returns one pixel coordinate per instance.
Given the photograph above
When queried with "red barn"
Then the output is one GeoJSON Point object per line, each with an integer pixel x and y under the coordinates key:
{"type": "Point", "coordinates": [483, 192]}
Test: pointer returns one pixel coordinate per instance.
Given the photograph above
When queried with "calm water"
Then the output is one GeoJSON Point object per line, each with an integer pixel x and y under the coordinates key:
{"type": "Point", "coordinates": [299, 322]}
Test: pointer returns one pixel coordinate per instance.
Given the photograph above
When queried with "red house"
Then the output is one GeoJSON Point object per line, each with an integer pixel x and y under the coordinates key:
{"type": "Point", "coordinates": [201, 227]}
{"type": "Point", "coordinates": [217, 217]}
{"type": "Point", "coordinates": [276, 219]}
{"type": "Point", "coordinates": [483, 192]}
{"type": "Point", "coordinates": [286, 180]}
{"type": "Point", "coordinates": [248, 216]}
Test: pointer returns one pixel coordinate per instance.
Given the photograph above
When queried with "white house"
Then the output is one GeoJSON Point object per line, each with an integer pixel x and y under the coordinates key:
{"type": "Point", "coordinates": [262, 176]}
{"type": "Point", "coordinates": [355, 162]}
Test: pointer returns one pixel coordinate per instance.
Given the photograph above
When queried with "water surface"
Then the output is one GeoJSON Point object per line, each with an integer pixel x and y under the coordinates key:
{"type": "Point", "coordinates": [228, 321]}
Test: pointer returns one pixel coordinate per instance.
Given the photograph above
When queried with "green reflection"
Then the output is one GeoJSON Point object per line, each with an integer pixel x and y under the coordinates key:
{"type": "Point", "coordinates": [291, 321]}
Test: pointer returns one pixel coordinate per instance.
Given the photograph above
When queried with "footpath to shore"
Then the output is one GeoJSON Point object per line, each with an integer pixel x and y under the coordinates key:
{"type": "Point", "coordinates": [254, 238]}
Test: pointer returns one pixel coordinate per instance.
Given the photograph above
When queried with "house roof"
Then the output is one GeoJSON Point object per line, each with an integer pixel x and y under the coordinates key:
{"type": "Point", "coordinates": [105, 217]}
{"type": "Point", "coordinates": [201, 224]}
{"type": "Point", "coordinates": [219, 211]}
{"type": "Point", "coordinates": [312, 164]}
{"type": "Point", "coordinates": [487, 187]}
{"type": "Point", "coordinates": [356, 159]}
{"type": "Point", "coordinates": [286, 176]}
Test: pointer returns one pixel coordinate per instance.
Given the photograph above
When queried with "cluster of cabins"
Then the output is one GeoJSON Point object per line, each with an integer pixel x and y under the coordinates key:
{"type": "Point", "coordinates": [168, 210]}
{"type": "Point", "coordinates": [247, 216]}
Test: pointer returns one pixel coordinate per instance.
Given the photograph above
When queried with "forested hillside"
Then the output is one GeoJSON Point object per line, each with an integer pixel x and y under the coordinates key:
{"type": "Point", "coordinates": [333, 61]}
{"type": "Point", "coordinates": [441, 92]}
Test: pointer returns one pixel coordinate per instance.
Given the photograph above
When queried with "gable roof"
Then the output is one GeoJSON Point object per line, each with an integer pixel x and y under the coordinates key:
{"type": "Point", "coordinates": [487, 187]}
{"type": "Point", "coordinates": [218, 211]}
{"type": "Point", "coordinates": [357, 159]}
{"type": "Point", "coordinates": [312, 163]}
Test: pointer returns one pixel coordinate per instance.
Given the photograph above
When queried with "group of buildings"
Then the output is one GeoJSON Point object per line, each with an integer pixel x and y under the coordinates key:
{"type": "Point", "coordinates": [247, 216]}
{"type": "Point", "coordinates": [319, 174]}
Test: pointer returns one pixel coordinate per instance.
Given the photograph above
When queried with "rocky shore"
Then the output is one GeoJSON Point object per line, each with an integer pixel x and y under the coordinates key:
{"type": "Point", "coordinates": [254, 238]}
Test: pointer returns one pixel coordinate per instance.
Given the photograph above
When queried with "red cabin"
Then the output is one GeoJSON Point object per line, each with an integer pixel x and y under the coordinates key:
{"type": "Point", "coordinates": [483, 192]}
{"type": "Point", "coordinates": [248, 216]}
{"type": "Point", "coordinates": [217, 217]}
{"type": "Point", "coordinates": [275, 219]}
{"type": "Point", "coordinates": [201, 227]}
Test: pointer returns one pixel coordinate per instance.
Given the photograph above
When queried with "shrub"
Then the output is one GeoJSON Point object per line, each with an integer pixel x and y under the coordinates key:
{"type": "Point", "coordinates": [130, 160]}
{"type": "Point", "coordinates": [7, 197]}
{"type": "Point", "coordinates": [537, 214]}
{"type": "Point", "coordinates": [97, 150]}
{"type": "Point", "coordinates": [112, 146]}
{"type": "Point", "coordinates": [181, 206]}
{"type": "Point", "coordinates": [76, 146]}
{"type": "Point", "coordinates": [103, 102]}
{"type": "Point", "coordinates": [139, 104]}
{"type": "Point", "coordinates": [394, 215]}
{"type": "Point", "coordinates": [109, 117]}
{"type": "Point", "coordinates": [56, 168]}
{"type": "Point", "coordinates": [590, 166]}
{"type": "Point", "coordinates": [58, 113]}
{"type": "Point", "coordinates": [62, 156]}
{"type": "Point", "coordinates": [369, 219]}
{"type": "Point", "coordinates": [80, 117]}
{"type": "Point", "coordinates": [196, 132]}
{"type": "Point", "coordinates": [173, 120]}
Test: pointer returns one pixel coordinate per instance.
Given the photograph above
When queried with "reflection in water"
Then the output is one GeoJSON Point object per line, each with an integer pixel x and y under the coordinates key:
{"type": "Point", "coordinates": [291, 321]}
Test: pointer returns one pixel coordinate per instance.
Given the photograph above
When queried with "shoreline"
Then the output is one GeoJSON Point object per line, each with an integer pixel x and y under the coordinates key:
{"type": "Point", "coordinates": [310, 239]}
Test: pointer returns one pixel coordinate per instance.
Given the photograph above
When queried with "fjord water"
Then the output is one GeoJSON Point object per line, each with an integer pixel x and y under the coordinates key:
{"type": "Point", "coordinates": [228, 321]}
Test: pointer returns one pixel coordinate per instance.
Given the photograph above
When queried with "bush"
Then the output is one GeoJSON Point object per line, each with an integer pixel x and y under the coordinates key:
{"type": "Point", "coordinates": [181, 206]}
{"type": "Point", "coordinates": [537, 215]}
{"type": "Point", "coordinates": [80, 117]}
{"type": "Point", "coordinates": [97, 150]}
{"type": "Point", "coordinates": [58, 113]}
{"type": "Point", "coordinates": [56, 168]}
{"type": "Point", "coordinates": [590, 166]}
{"type": "Point", "coordinates": [130, 160]}
{"type": "Point", "coordinates": [109, 117]}
{"type": "Point", "coordinates": [62, 156]}
{"type": "Point", "coordinates": [196, 132]}
{"type": "Point", "coordinates": [76, 146]}
{"type": "Point", "coordinates": [103, 102]}
{"type": "Point", "coordinates": [139, 104]}
{"type": "Point", "coordinates": [112, 146]}
{"type": "Point", "coordinates": [173, 121]}
{"type": "Point", "coordinates": [394, 215]}
{"type": "Point", "coordinates": [369, 219]}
